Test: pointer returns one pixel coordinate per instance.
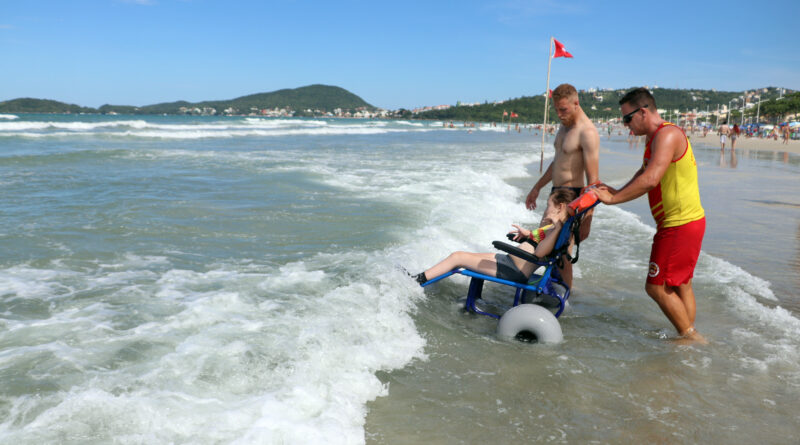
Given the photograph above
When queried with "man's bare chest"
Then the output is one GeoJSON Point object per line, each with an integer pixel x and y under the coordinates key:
{"type": "Point", "coordinates": [568, 142]}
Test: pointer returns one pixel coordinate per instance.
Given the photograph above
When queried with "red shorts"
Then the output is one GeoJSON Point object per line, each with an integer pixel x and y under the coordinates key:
{"type": "Point", "coordinates": [674, 253]}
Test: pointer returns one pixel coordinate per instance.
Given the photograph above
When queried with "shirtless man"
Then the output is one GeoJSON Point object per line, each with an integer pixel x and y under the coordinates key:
{"type": "Point", "coordinates": [577, 148]}
{"type": "Point", "coordinates": [724, 129]}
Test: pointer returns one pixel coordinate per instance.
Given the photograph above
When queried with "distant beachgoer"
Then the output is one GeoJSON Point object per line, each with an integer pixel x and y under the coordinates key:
{"type": "Point", "coordinates": [735, 132]}
{"type": "Point", "coordinates": [723, 134]}
{"type": "Point", "coordinates": [669, 177]}
{"type": "Point", "coordinates": [577, 151]}
{"type": "Point", "coordinates": [786, 134]}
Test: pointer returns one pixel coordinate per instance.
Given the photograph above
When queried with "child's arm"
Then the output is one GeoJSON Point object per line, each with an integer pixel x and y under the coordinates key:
{"type": "Point", "coordinates": [536, 235]}
{"type": "Point", "coordinates": [547, 245]}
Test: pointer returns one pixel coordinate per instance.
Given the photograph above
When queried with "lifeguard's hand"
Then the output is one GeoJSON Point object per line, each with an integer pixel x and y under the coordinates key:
{"type": "Point", "coordinates": [603, 194]}
{"type": "Point", "coordinates": [530, 201]}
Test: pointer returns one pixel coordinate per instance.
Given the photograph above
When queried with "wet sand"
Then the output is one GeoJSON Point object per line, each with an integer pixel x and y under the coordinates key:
{"type": "Point", "coordinates": [745, 143]}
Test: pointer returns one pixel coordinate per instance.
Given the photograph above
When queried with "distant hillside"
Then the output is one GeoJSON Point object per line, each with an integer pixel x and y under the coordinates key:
{"type": "Point", "coordinates": [314, 97]}
{"type": "Point", "coordinates": [28, 105]}
{"type": "Point", "coordinates": [320, 97]}
{"type": "Point", "coordinates": [602, 105]}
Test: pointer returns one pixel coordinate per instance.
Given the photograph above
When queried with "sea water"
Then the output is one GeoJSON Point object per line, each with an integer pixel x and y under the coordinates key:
{"type": "Point", "coordinates": [239, 280]}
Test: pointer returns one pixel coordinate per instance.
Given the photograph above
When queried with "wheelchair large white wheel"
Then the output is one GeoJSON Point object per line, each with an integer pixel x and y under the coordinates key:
{"type": "Point", "coordinates": [530, 322]}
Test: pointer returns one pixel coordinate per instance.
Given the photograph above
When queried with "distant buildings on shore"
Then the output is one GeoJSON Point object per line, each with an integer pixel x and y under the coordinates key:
{"type": "Point", "coordinates": [358, 113]}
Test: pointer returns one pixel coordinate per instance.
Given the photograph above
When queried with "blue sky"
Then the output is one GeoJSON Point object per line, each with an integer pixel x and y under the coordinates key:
{"type": "Point", "coordinates": [392, 54]}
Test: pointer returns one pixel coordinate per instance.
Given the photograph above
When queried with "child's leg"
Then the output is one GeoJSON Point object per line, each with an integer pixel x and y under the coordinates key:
{"type": "Point", "coordinates": [484, 263]}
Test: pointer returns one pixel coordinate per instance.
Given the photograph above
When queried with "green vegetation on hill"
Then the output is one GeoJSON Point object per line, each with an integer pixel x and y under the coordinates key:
{"type": "Point", "coordinates": [313, 97]}
{"type": "Point", "coordinates": [789, 104]}
{"type": "Point", "coordinates": [605, 105]}
{"type": "Point", "coordinates": [324, 98]}
{"type": "Point", "coordinates": [320, 97]}
{"type": "Point", "coordinates": [28, 105]}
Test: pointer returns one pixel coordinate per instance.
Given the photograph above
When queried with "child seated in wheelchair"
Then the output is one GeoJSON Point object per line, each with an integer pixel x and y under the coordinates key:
{"type": "Point", "coordinates": [509, 267]}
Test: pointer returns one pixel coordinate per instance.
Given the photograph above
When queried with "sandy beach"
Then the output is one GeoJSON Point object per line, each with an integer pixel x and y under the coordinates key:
{"type": "Point", "coordinates": [745, 143]}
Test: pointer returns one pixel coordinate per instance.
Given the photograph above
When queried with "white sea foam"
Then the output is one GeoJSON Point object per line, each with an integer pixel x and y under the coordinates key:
{"type": "Point", "coordinates": [238, 356]}
{"type": "Point", "coordinates": [9, 116]}
{"type": "Point", "coordinates": [75, 126]}
{"type": "Point", "coordinates": [412, 124]}
{"type": "Point", "coordinates": [244, 354]}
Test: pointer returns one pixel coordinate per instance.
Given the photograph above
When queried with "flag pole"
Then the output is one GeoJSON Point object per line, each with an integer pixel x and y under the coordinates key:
{"type": "Point", "coordinates": [546, 102]}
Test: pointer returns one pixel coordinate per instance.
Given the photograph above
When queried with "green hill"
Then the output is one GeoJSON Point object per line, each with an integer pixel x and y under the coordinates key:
{"type": "Point", "coordinates": [320, 97]}
{"type": "Point", "coordinates": [28, 105]}
{"type": "Point", "coordinates": [324, 98]}
{"type": "Point", "coordinates": [605, 105]}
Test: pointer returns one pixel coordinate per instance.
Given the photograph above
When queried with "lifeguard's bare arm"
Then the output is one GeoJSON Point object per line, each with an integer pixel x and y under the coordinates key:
{"type": "Point", "coordinates": [662, 152]}
{"type": "Point", "coordinates": [590, 146]}
{"type": "Point", "coordinates": [530, 201]}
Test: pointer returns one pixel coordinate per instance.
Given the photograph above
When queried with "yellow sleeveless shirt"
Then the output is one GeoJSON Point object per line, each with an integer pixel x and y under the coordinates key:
{"type": "Point", "coordinates": [675, 201]}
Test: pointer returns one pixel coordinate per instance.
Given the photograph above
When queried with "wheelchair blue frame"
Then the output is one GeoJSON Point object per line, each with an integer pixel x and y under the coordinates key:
{"type": "Point", "coordinates": [539, 285]}
{"type": "Point", "coordinates": [543, 284]}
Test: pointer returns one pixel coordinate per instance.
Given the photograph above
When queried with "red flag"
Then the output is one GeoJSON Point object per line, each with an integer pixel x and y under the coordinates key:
{"type": "Point", "coordinates": [505, 113]}
{"type": "Point", "coordinates": [560, 51]}
{"type": "Point", "coordinates": [513, 114]}
{"type": "Point", "coordinates": [550, 93]}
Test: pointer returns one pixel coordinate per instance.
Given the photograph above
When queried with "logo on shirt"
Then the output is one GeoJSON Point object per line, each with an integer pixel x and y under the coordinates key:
{"type": "Point", "coordinates": [653, 272]}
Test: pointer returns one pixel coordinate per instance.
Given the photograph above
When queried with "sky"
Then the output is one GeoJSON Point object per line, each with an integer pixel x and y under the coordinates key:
{"type": "Point", "coordinates": [392, 54]}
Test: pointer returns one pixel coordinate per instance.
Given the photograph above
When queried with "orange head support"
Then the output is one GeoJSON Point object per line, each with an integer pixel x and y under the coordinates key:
{"type": "Point", "coordinates": [582, 203]}
{"type": "Point", "coordinates": [591, 186]}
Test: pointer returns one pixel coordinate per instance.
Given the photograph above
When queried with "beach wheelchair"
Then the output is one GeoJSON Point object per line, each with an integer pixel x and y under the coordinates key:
{"type": "Point", "coordinates": [539, 302]}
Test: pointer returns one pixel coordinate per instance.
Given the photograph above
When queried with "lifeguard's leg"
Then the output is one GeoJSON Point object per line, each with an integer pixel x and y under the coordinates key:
{"type": "Point", "coordinates": [484, 263]}
{"type": "Point", "coordinates": [686, 294]}
{"type": "Point", "coordinates": [671, 305]}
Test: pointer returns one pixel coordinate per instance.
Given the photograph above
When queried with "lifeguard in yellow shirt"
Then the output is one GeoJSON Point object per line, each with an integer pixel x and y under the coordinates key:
{"type": "Point", "coordinates": [669, 177]}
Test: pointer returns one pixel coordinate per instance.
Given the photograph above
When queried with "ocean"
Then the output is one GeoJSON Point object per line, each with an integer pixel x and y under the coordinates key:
{"type": "Point", "coordinates": [205, 280]}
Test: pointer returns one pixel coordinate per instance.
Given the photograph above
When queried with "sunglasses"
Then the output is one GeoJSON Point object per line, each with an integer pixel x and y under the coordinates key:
{"type": "Point", "coordinates": [629, 117]}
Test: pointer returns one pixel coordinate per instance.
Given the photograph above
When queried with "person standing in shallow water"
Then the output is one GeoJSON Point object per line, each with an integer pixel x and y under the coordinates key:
{"type": "Point", "coordinates": [577, 154]}
{"type": "Point", "coordinates": [669, 177]}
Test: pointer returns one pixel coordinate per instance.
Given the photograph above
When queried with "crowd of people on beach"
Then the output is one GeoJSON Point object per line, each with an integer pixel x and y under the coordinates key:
{"type": "Point", "coordinates": [728, 134]}
{"type": "Point", "coordinates": [784, 131]}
